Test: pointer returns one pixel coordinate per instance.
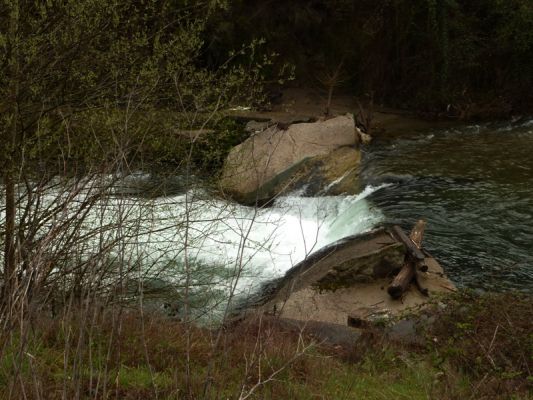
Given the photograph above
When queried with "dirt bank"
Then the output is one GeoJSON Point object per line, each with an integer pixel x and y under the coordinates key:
{"type": "Point", "coordinates": [303, 105]}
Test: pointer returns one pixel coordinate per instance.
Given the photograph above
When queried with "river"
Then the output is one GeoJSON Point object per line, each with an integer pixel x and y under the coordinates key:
{"type": "Point", "coordinates": [474, 186]}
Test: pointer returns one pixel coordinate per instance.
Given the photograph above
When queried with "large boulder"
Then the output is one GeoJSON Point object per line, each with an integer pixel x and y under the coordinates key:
{"type": "Point", "coordinates": [321, 155]}
{"type": "Point", "coordinates": [346, 282]}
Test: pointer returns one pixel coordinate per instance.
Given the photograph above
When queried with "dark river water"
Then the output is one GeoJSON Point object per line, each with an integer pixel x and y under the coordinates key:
{"type": "Point", "coordinates": [474, 186]}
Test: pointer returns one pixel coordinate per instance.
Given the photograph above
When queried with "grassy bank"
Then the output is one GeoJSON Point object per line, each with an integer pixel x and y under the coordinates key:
{"type": "Point", "coordinates": [477, 347]}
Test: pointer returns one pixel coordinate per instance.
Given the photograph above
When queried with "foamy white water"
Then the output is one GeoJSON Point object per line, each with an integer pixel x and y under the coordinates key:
{"type": "Point", "coordinates": [260, 244]}
{"type": "Point", "coordinates": [222, 245]}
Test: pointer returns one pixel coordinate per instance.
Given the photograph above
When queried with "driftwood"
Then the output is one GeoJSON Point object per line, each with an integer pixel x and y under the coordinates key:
{"type": "Point", "coordinates": [416, 237]}
{"type": "Point", "coordinates": [413, 242]}
{"type": "Point", "coordinates": [414, 261]}
{"type": "Point", "coordinates": [400, 284]}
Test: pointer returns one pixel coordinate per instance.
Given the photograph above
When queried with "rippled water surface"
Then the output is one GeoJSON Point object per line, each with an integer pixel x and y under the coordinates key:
{"type": "Point", "coordinates": [474, 186]}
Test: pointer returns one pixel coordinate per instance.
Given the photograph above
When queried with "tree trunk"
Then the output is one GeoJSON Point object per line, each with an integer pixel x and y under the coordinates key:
{"type": "Point", "coordinates": [9, 245]}
{"type": "Point", "coordinates": [402, 281]}
{"type": "Point", "coordinates": [9, 168]}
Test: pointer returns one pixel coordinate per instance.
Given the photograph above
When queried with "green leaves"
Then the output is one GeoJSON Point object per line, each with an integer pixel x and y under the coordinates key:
{"type": "Point", "coordinates": [97, 70]}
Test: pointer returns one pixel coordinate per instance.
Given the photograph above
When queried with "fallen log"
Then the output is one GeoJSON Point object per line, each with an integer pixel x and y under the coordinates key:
{"type": "Point", "coordinates": [413, 249]}
{"type": "Point", "coordinates": [416, 236]}
{"type": "Point", "coordinates": [414, 260]}
{"type": "Point", "coordinates": [419, 286]}
{"type": "Point", "coordinates": [402, 281]}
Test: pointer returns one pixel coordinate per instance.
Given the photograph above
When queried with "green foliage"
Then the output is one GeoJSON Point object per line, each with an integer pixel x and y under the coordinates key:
{"type": "Point", "coordinates": [150, 360]}
{"type": "Point", "coordinates": [145, 357]}
{"type": "Point", "coordinates": [87, 81]}
{"type": "Point", "coordinates": [488, 336]}
{"type": "Point", "coordinates": [212, 149]}
{"type": "Point", "coordinates": [138, 378]}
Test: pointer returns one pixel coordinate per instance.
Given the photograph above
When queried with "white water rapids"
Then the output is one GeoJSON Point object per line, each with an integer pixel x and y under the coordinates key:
{"type": "Point", "coordinates": [255, 244]}
{"type": "Point", "coordinates": [215, 246]}
{"type": "Point", "coordinates": [472, 184]}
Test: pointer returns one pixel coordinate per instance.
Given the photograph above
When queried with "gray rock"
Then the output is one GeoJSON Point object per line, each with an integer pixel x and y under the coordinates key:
{"type": "Point", "coordinates": [276, 160]}
{"type": "Point", "coordinates": [257, 126]}
{"type": "Point", "coordinates": [345, 284]}
{"type": "Point", "coordinates": [354, 259]}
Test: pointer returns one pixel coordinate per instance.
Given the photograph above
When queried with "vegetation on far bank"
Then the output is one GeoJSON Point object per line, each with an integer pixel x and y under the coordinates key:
{"type": "Point", "coordinates": [455, 58]}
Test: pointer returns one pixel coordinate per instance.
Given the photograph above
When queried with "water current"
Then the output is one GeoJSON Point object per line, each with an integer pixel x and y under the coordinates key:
{"type": "Point", "coordinates": [474, 186]}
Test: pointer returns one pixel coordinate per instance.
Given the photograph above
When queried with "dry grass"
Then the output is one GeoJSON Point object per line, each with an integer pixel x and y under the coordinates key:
{"type": "Point", "coordinates": [489, 338]}
{"type": "Point", "coordinates": [478, 348]}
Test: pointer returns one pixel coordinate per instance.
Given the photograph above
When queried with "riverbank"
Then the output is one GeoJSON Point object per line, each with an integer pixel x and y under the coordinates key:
{"type": "Point", "coordinates": [307, 104]}
{"type": "Point", "coordinates": [475, 347]}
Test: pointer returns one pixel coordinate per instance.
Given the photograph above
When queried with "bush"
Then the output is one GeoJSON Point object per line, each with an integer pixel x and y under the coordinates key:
{"type": "Point", "coordinates": [490, 338]}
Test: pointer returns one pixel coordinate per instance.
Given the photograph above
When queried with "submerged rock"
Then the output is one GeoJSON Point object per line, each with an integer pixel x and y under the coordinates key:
{"type": "Point", "coordinates": [275, 160]}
